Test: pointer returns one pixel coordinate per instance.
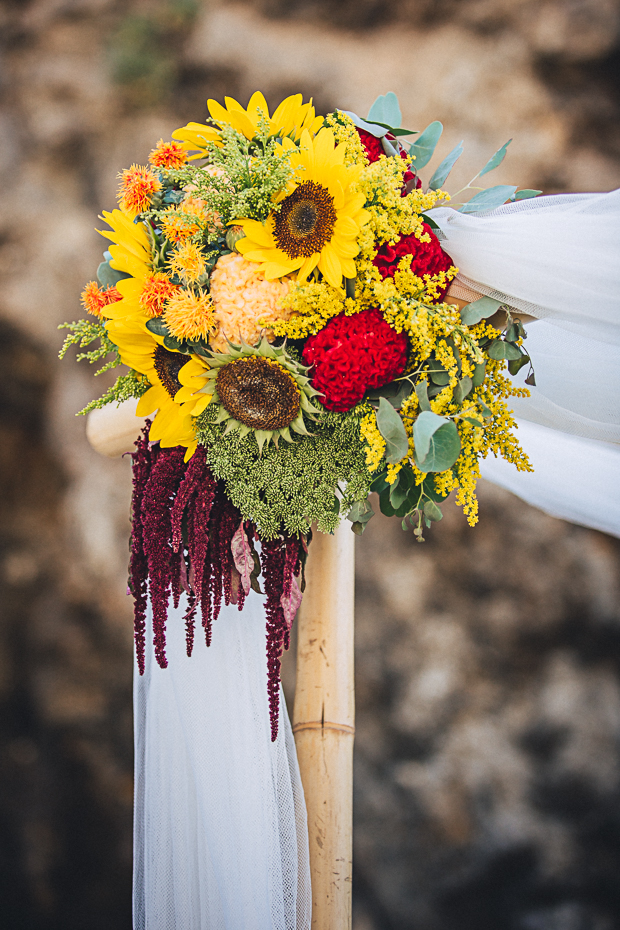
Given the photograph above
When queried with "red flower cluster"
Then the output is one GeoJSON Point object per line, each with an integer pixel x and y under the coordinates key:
{"type": "Point", "coordinates": [353, 354]}
{"type": "Point", "coordinates": [374, 151]}
{"type": "Point", "coordinates": [426, 257]}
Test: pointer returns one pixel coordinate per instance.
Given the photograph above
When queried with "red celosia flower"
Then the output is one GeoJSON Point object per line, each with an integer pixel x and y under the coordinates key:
{"type": "Point", "coordinates": [138, 184]}
{"type": "Point", "coordinates": [427, 258]}
{"type": "Point", "coordinates": [374, 151]}
{"type": "Point", "coordinates": [158, 288]}
{"type": "Point", "coordinates": [95, 298]}
{"type": "Point", "coordinates": [168, 155]}
{"type": "Point", "coordinates": [352, 354]}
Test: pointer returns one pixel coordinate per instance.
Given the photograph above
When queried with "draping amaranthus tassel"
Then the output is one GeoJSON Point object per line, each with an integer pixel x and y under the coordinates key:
{"type": "Point", "coordinates": [195, 499]}
{"type": "Point", "coordinates": [163, 562]}
{"type": "Point", "coordinates": [138, 562]}
{"type": "Point", "coordinates": [280, 559]}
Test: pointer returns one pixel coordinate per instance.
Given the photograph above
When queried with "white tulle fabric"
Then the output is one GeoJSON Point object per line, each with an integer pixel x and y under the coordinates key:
{"type": "Point", "coordinates": [220, 831]}
{"type": "Point", "coordinates": [557, 259]}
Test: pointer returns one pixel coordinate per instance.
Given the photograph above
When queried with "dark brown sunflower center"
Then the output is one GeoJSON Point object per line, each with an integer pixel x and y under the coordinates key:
{"type": "Point", "coordinates": [306, 220]}
{"type": "Point", "coordinates": [168, 365]}
{"type": "Point", "coordinates": [258, 393]}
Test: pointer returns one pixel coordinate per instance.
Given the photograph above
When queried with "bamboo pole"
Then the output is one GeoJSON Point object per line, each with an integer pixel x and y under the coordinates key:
{"type": "Point", "coordinates": [323, 722]}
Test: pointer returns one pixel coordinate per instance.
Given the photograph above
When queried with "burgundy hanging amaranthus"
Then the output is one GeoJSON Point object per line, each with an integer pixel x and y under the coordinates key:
{"type": "Point", "coordinates": [186, 535]}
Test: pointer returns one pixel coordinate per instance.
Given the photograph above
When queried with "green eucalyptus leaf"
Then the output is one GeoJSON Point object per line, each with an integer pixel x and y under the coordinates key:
{"type": "Point", "coordinates": [108, 276]}
{"type": "Point", "coordinates": [172, 344]}
{"type": "Point", "coordinates": [432, 511]}
{"type": "Point", "coordinates": [390, 150]}
{"type": "Point", "coordinates": [463, 388]}
{"type": "Point", "coordinates": [486, 411]}
{"type": "Point", "coordinates": [379, 484]}
{"type": "Point", "coordinates": [358, 528]}
{"type": "Point", "coordinates": [496, 160]}
{"type": "Point", "coordinates": [512, 333]}
{"type": "Point", "coordinates": [489, 199]}
{"type": "Point", "coordinates": [438, 373]}
{"type": "Point", "coordinates": [424, 146]}
{"type": "Point", "coordinates": [516, 364]}
{"type": "Point", "coordinates": [173, 196]}
{"type": "Point", "coordinates": [531, 380]}
{"type": "Point", "coordinates": [499, 349]}
{"type": "Point", "coordinates": [429, 490]}
{"type": "Point", "coordinates": [398, 494]}
{"type": "Point", "coordinates": [445, 167]}
{"type": "Point", "coordinates": [430, 221]}
{"type": "Point", "coordinates": [374, 129]}
{"type": "Point", "coordinates": [478, 310]}
{"type": "Point", "coordinates": [393, 431]}
{"type": "Point", "coordinates": [525, 194]}
{"type": "Point", "coordinates": [472, 421]}
{"type": "Point", "coordinates": [479, 373]}
{"type": "Point", "coordinates": [444, 447]}
{"type": "Point", "coordinates": [421, 390]}
{"type": "Point", "coordinates": [386, 109]}
{"type": "Point", "coordinates": [396, 392]}
{"type": "Point", "coordinates": [361, 512]}
{"type": "Point", "coordinates": [424, 428]}
{"type": "Point", "coordinates": [157, 325]}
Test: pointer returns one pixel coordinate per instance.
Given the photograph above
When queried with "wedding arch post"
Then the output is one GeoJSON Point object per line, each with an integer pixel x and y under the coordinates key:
{"type": "Point", "coordinates": [323, 722]}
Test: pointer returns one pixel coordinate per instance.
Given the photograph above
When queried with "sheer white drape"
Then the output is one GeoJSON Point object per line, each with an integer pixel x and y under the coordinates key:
{"type": "Point", "coordinates": [557, 259]}
{"type": "Point", "coordinates": [220, 833]}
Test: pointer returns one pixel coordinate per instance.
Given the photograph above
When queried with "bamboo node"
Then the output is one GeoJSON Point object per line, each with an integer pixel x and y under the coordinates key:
{"type": "Point", "coordinates": [323, 725]}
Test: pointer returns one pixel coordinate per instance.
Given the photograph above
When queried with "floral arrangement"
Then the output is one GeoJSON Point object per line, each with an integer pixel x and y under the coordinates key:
{"type": "Point", "coordinates": [278, 293]}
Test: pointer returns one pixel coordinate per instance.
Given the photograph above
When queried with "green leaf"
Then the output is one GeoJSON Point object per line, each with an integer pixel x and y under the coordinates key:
{"type": "Point", "coordinates": [444, 447]}
{"type": "Point", "coordinates": [374, 129]}
{"type": "Point", "coordinates": [172, 344]}
{"type": "Point", "coordinates": [430, 221]}
{"type": "Point", "coordinates": [428, 487]}
{"type": "Point", "coordinates": [531, 380]}
{"type": "Point", "coordinates": [379, 484]}
{"type": "Point", "coordinates": [525, 194]}
{"type": "Point", "coordinates": [486, 411]}
{"type": "Point", "coordinates": [424, 146]}
{"type": "Point", "coordinates": [463, 388]}
{"type": "Point", "coordinates": [386, 109]}
{"type": "Point", "coordinates": [396, 392]}
{"type": "Point", "coordinates": [516, 364]}
{"type": "Point", "coordinates": [489, 199]}
{"type": "Point", "coordinates": [424, 428]}
{"type": "Point", "coordinates": [390, 150]}
{"type": "Point", "coordinates": [472, 420]}
{"type": "Point", "coordinates": [496, 160]}
{"type": "Point", "coordinates": [398, 494]}
{"type": "Point", "coordinates": [479, 374]}
{"type": "Point", "coordinates": [512, 333]}
{"type": "Point", "coordinates": [500, 349]}
{"type": "Point", "coordinates": [421, 390]}
{"type": "Point", "coordinates": [156, 325]}
{"type": "Point", "coordinates": [393, 431]}
{"type": "Point", "coordinates": [432, 511]}
{"type": "Point", "coordinates": [479, 310]}
{"type": "Point", "coordinates": [445, 167]}
{"type": "Point", "coordinates": [108, 276]}
{"type": "Point", "coordinates": [360, 512]}
{"type": "Point", "coordinates": [438, 373]}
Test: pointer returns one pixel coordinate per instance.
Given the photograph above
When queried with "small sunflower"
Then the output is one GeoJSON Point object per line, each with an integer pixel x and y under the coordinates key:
{"type": "Point", "coordinates": [258, 389]}
{"type": "Point", "coordinates": [172, 423]}
{"type": "Point", "coordinates": [317, 224]}
{"type": "Point", "coordinates": [290, 119]}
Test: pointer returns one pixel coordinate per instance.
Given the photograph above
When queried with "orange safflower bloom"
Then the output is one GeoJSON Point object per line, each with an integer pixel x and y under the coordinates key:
{"type": "Point", "coordinates": [189, 316]}
{"type": "Point", "coordinates": [95, 298]}
{"type": "Point", "coordinates": [138, 184]}
{"type": "Point", "coordinates": [168, 155]}
{"type": "Point", "coordinates": [158, 288]}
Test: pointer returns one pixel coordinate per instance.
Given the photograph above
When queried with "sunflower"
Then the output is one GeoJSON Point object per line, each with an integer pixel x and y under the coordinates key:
{"type": "Point", "coordinates": [172, 424]}
{"type": "Point", "coordinates": [290, 119]}
{"type": "Point", "coordinates": [259, 389]}
{"type": "Point", "coordinates": [317, 223]}
{"type": "Point", "coordinates": [131, 254]}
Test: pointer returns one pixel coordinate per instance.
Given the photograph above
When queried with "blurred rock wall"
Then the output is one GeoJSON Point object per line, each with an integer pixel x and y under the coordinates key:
{"type": "Point", "coordinates": [487, 669]}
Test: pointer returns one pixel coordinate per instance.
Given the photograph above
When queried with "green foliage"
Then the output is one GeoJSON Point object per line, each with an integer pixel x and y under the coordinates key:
{"type": "Point", "coordinates": [293, 485]}
{"type": "Point", "coordinates": [254, 175]}
{"type": "Point", "coordinates": [83, 333]}
{"type": "Point", "coordinates": [437, 442]}
{"type": "Point", "coordinates": [393, 431]}
{"type": "Point", "coordinates": [126, 386]}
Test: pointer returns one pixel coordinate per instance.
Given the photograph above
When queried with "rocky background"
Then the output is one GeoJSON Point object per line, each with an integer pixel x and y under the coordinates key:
{"type": "Point", "coordinates": [487, 757]}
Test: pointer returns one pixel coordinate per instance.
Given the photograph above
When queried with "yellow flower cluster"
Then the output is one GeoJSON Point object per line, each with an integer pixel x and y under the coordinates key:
{"type": "Point", "coordinates": [375, 443]}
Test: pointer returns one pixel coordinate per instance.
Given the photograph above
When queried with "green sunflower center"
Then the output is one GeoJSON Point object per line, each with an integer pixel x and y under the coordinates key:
{"type": "Point", "coordinates": [168, 365]}
{"type": "Point", "coordinates": [306, 221]}
{"type": "Point", "coordinates": [258, 393]}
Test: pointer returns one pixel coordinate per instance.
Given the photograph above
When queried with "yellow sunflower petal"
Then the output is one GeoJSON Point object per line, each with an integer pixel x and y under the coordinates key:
{"type": "Point", "coordinates": [330, 266]}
